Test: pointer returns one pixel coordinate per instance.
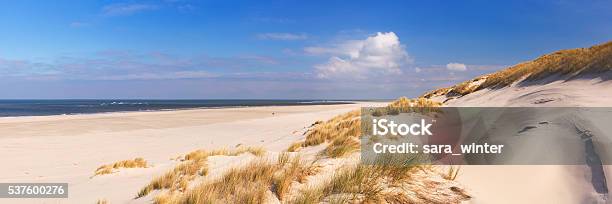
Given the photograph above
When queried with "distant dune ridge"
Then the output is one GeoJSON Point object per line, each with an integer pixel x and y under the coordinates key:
{"type": "Point", "coordinates": [562, 66]}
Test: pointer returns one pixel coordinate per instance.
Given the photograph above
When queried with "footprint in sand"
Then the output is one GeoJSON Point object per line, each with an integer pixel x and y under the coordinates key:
{"type": "Point", "coordinates": [526, 128]}
{"type": "Point", "coordinates": [544, 100]}
{"type": "Point", "coordinates": [529, 127]}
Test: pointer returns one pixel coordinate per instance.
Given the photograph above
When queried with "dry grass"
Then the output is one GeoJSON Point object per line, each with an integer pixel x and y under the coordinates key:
{"type": "Point", "coordinates": [193, 165]}
{"type": "Point", "coordinates": [248, 184]}
{"type": "Point", "coordinates": [109, 168]}
{"type": "Point", "coordinates": [392, 179]}
{"type": "Point", "coordinates": [340, 127]}
{"type": "Point", "coordinates": [572, 62]}
{"type": "Point", "coordinates": [405, 105]}
{"type": "Point", "coordinates": [336, 130]}
{"type": "Point", "coordinates": [342, 146]}
{"type": "Point", "coordinates": [361, 183]}
{"type": "Point", "coordinates": [297, 170]}
{"type": "Point", "coordinates": [453, 172]}
{"type": "Point", "coordinates": [296, 146]}
{"type": "Point", "coordinates": [202, 154]}
{"type": "Point", "coordinates": [102, 201]}
{"type": "Point", "coordinates": [345, 125]}
{"type": "Point", "coordinates": [575, 61]}
{"type": "Point", "coordinates": [382, 184]}
{"type": "Point", "coordinates": [283, 158]}
{"type": "Point", "coordinates": [309, 195]}
{"type": "Point", "coordinates": [343, 131]}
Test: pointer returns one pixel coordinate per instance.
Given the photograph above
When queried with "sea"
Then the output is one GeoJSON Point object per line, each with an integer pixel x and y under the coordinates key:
{"type": "Point", "coordinates": [13, 108]}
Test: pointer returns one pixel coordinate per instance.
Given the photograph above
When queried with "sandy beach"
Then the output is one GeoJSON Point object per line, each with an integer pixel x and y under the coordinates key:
{"type": "Point", "coordinates": [69, 148]}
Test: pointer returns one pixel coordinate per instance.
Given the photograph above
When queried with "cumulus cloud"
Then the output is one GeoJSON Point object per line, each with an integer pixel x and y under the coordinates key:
{"type": "Point", "coordinates": [380, 54]}
{"type": "Point", "coordinates": [282, 36]}
{"type": "Point", "coordinates": [456, 67]}
{"type": "Point", "coordinates": [122, 9]}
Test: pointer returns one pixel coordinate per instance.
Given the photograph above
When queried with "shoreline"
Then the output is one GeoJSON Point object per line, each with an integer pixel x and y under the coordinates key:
{"type": "Point", "coordinates": [191, 109]}
{"type": "Point", "coordinates": [15, 127]}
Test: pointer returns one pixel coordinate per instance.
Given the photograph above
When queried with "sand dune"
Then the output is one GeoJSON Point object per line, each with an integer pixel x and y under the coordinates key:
{"type": "Point", "coordinates": [563, 79]}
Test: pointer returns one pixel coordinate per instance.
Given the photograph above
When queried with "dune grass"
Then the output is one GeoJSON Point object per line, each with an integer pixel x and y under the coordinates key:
{"type": "Point", "coordinates": [102, 201]}
{"type": "Point", "coordinates": [109, 168]}
{"type": "Point", "coordinates": [248, 184]}
{"type": "Point", "coordinates": [342, 146]}
{"type": "Point", "coordinates": [309, 195]}
{"type": "Point", "coordinates": [574, 61]}
{"type": "Point", "coordinates": [296, 170]}
{"type": "Point", "coordinates": [571, 62]}
{"type": "Point", "coordinates": [452, 173]}
{"type": "Point", "coordinates": [343, 131]}
{"type": "Point", "coordinates": [344, 125]}
{"type": "Point", "coordinates": [406, 105]}
{"type": "Point", "coordinates": [338, 128]}
{"type": "Point", "coordinates": [296, 146]}
{"type": "Point", "coordinates": [362, 183]}
{"type": "Point", "coordinates": [193, 165]}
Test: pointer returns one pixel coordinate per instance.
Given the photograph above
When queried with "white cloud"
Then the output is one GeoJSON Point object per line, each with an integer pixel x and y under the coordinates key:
{"type": "Point", "coordinates": [122, 9]}
{"type": "Point", "coordinates": [380, 54]}
{"type": "Point", "coordinates": [282, 36]}
{"type": "Point", "coordinates": [417, 70]}
{"type": "Point", "coordinates": [456, 67]}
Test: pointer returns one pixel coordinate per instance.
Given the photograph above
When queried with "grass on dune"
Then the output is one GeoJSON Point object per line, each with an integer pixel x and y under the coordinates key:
{"type": "Point", "coordinates": [193, 165]}
{"type": "Point", "coordinates": [574, 61]}
{"type": "Point", "coordinates": [338, 128]}
{"type": "Point", "coordinates": [261, 180]}
{"type": "Point", "coordinates": [295, 170]}
{"type": "Point", "coordinates": [102, 201]}
{"type": "Point", "coordinates": [362, 183]}
{"type": "Point", "coordinates": [345, 125]}
{"type": "Point", "coordinates": [342, 146]}
{"type": "Point", "coordinates": [309, 195]}
{"type": "Point", "coordinates": [452, 173]}
{"type": "Point", "coordinates": [406, 105]}
{"type": "Point", "coordinates": [571, 62]}
{"type": "Point", "coordinates": [248, 184]}
{"type": "Point", "coordinates": [296, 146]}
{"type": "Point", "coordinates": [343, 131]}
{"type": "Point", "coordinates": [109, 168]}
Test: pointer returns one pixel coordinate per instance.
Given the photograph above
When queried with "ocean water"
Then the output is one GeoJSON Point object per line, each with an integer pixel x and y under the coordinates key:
{"type": "Point", "coordinates": [10, 108]}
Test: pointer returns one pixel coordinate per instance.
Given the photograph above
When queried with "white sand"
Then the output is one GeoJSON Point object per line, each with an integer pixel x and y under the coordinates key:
{"type": "Point", "coordinates": [539, 184]}
{"type": "Point", "coordinates": [70, 148]}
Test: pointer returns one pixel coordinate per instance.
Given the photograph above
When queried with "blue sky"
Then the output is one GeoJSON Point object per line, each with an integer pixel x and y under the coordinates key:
{"type": "Point", "coordinates": [277, 49]}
